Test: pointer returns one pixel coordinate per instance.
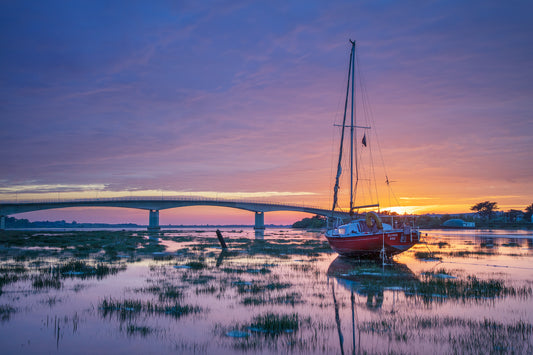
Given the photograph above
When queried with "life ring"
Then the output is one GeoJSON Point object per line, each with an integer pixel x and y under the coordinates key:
{"type": "Point", "coordinates": [373, 216]}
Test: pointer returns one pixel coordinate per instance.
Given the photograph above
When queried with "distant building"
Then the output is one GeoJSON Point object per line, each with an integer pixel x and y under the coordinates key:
{"type": "Point", "coordinates": [458, 223]}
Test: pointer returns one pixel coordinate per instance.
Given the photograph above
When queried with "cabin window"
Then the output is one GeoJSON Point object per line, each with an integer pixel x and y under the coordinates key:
{"type": "Point", "coordinates": [342, 231]}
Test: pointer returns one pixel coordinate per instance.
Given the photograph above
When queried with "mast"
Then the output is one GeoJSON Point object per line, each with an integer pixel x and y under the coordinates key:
{"type": "Point", "coordinates": [352, 127]}
{"type": "Point", "coordinates": [339, 164]}
{"type": "Point", "coordinates": [353, 147]}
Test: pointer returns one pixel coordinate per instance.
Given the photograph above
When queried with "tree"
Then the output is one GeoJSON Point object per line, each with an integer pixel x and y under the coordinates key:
{"type": "Point", "coordinates": [529, 212]}
{"type": "Point", "coordinates": [514, 215]}
{"type": "Point", "coordinates": [315, 222]}
{"type": "Point", "coordinates": [389, 213]}
{"type": "Point", "coordinates": [485, 209]}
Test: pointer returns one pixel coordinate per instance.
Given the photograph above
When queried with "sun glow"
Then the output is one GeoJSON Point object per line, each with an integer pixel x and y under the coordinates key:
{"type": "Point", "coordinates": [399, 210]}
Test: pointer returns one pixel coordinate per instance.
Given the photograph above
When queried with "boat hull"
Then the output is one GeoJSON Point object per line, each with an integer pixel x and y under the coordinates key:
{"type": "Point", "coordinates": [371, 245]}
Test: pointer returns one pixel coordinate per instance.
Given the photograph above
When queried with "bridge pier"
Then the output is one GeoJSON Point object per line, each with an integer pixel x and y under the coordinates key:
{"type": "Point", "coordinates": [2, 223]}
{"type": "Point", "coordinates": [153, 224]}
{"type": "Point", "coordinates": [259, 220]}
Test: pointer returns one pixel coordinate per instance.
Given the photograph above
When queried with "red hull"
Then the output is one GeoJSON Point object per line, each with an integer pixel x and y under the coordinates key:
{"type": "Point", "coordinates": [395, 242]}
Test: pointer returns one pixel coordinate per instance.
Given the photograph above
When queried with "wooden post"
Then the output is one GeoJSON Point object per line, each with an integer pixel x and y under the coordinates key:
{"type": "Point", "coordinates": [221, 239]}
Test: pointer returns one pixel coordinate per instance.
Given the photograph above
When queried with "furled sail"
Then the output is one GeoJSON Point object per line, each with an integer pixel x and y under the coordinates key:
{"type": "Point", "coordinates": [339, 167]}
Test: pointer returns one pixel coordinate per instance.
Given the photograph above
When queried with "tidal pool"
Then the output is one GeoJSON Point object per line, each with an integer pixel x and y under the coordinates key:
{"type": "Point", "coordinates": [283, 291]}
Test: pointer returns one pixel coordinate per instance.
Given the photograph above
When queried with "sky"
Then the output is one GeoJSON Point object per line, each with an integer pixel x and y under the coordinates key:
{"type": "Point", "coordinates": [238, 99]}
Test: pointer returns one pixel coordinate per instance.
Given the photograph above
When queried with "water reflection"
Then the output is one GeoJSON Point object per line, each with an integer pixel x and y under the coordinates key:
{"type": "Point", "coordinates": [337, 319]}
{"type": "Point", "coordinates": [284, 292]}
{"type": "Point", "coordinates": [487, 242]}
{"type": "Point", "coordinates": [153, 235]}
{"type": "Point", "coordinates": [224, 253]}
{"type": "Point", "coordinates": [259, 234]}
{"type": "Point", "coordinates": [370, 278]}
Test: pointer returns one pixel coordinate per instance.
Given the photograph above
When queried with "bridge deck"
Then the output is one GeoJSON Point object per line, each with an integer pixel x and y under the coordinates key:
{"type": "Point", "coordinates": [154, 205]}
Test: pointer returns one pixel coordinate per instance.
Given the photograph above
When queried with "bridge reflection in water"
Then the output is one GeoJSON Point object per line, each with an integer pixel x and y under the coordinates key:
{"type": "Point", "coordinates": [154, 205]}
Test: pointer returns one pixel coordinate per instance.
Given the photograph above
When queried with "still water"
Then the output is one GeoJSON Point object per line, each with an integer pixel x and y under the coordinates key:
{"type": "Point", "coordinates": [281, 292]}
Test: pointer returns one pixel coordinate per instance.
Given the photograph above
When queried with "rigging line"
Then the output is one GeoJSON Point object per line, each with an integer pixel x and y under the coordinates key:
{"type": "Point", "coordinates": [367, 115]}
{"type": "Point", "coordinates": [368, 111]}
{"type": "Point", "coordinates": [372, 166]}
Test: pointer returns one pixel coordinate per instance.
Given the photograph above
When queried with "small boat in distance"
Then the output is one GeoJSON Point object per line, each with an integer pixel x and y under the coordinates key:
{"type": "Point", "coordinates": [368, 235]}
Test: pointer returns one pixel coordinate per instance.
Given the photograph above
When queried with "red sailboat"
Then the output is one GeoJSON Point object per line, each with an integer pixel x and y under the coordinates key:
{"type": "Point", "coordinates": [368, 235]}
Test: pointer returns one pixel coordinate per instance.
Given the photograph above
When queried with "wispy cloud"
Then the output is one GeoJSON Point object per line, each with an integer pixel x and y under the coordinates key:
{"type": "Point", "coordinates": [35, 189]}
{"type": "Point", "coordinates": [241, 96]}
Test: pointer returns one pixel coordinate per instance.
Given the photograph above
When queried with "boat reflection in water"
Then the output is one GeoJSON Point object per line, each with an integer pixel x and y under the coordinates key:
{"type": "Point", "coordinates": [370, 278]}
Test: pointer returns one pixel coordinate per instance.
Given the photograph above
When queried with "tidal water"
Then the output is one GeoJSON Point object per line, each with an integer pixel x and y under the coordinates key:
{"type": "Point", "coordinates": [284, 291]}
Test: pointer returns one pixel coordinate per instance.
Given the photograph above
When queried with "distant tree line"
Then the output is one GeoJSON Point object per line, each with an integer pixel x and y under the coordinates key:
{"type": "Point", "coordinates": [485, 216]}
{"type": "Point", "coordinates": [12, 222]}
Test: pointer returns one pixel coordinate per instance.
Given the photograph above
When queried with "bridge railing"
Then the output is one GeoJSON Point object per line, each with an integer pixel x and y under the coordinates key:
{"type": "Point", "coordinates": [160, 198]}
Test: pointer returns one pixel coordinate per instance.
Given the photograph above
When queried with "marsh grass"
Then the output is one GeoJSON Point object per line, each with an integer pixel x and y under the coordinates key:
{"type": "Point", "coordinates": [25, 254]}
{"type": "Point", "coordinates": [431, 288]}
{"type": "Point", "coordinates": [426, 255]}
{"type": "Point", "coordinates": [275, 324]}
{"type": "Point", "coordinates": [7, 279]}
{"type": "Point", "coordinates": [303, 267]}
{"type": "Point", "coordinates": [279, 276]}
{"type": "Point", "coordinates": [13, 268]}
{"type": "Point", "coordinates": [81, 269]}
{"type": "Point", "coordinates": [163, 292]}
{"type": "Point", "coordinates": [440, 273]}
{"type": "Point", "coordinates": [232, 270]}
{"type": "Point", "coordinates": [292, 299]}
{"type": "Point", "coordinates": [196, 265]}
{"type": "Point", "coordinates": [46, 281]}
{"type": "Point", "coordinates": [51, 301]}
{"type": "Point", "coordinates": [5, 312]}
{"type": "Point", "coordinates": [133, 329]}
{"type": "Point", "coordinates": [467, 253]}
{"type": "Point", "coordinates": [279, 248]}
{"type": "Point", "coordinates": [280, 333]}
{"type": "Point", "coordinates": [484, 336]}
{"type": "Point", "coordinates": [259, 286]}
{"type": "Point", "coordinates": [170, 293]}
{"type": "Point", "coordinates": [162, 257]}
{"type": "Point", "coordinates": [209, 290]}
{"type": "Point", "coordinates": [79, 243]}
{"type": "Point", "coordinates": [44, 276]}
{"type": "Point", "coordinates": [488, 244]}
{"type": "Point", "coordinates": [511, 244]}
{"type": "Point", "coordinates": [250, 269]}
{"type": "Point", "coordinates": [438, 255]}
{"type": "Point", "coordinates": [196, 279]}
{"type": "Point", "coordinates": [128, 308]}
{"type": "Point", "coordinates": [268, 324]}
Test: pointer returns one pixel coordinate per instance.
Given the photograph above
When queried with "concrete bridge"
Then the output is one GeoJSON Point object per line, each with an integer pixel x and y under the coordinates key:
{"type": "Point", "coordinates": [154, 205]}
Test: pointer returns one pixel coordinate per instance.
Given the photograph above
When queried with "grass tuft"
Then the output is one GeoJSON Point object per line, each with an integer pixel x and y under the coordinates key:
{"type": "Point", "coordinates": [275, 324]}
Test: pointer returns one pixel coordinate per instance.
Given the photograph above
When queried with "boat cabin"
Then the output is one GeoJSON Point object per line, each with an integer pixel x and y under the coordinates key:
{"type": "Point", "coordinates": [358, 227]}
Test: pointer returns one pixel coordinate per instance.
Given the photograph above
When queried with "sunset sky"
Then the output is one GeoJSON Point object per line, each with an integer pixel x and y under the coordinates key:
{"type": "Point", "coordinates": [237, 99]}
